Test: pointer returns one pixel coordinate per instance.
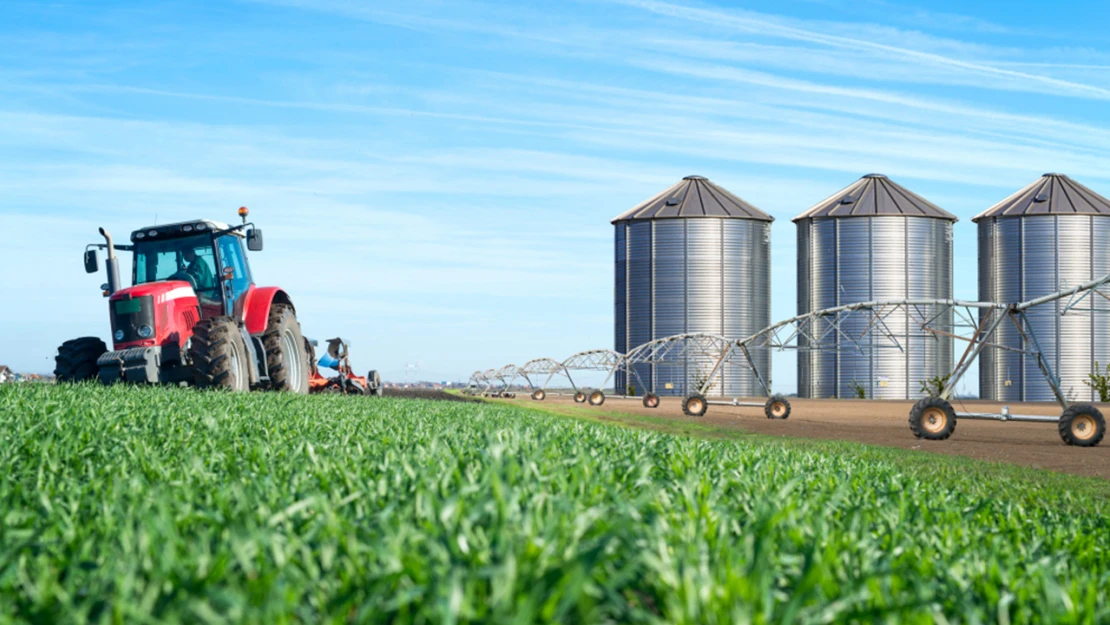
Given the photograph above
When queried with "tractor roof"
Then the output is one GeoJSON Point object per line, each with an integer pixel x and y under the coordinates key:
{"type": "Point", "coordinates": [182, 228]}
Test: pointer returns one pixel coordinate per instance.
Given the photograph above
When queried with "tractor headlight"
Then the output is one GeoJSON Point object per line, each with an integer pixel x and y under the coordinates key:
{"type": "Point", "coordinates": [146, 331]}
{"type": "Point", "coordinates": [118, 335]}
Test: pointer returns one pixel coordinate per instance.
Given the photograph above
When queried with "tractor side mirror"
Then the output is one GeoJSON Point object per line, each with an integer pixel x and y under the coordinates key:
{"type": "Point", "coordinates": [254, 240]}
{"type": "Point", "coordinates": [92, 265]}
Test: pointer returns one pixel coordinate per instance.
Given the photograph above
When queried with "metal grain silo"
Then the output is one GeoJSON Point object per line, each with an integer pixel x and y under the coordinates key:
{"type": "Point", "coordinates": [873, 240]}
{"type": "Point", "coordinates": [1051, 235]}
{"type": "Point", "coordinates": [693, 259]}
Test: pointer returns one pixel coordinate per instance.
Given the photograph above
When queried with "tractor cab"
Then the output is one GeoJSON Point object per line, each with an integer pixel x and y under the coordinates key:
{"type": "Point", "coordinates": [209, 255]}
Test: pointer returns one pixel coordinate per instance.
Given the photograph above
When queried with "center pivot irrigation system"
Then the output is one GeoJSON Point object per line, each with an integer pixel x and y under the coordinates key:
{"type": "Point", "coordinates": [859, 328]}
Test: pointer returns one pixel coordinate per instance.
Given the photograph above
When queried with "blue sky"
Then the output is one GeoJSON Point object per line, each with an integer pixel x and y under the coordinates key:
{"type": "Point", "coordinates": [436, 179]}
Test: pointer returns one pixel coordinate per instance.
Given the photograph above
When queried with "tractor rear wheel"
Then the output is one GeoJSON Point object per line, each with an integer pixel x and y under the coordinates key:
{"type": "Point", "coordinates": [932, 418]}
{"type": "Point", "coordinates": [1082, 425]}
{"type": "Point", "coordinates": [777, 407]}
{"type": "Point", "coordinates": [695, 405]}
{"type": "Point", "coordinates": [76, 359]}
{"type": "Point", "coordinates": [219, 355]}
{"type": "Point", "coordinates": [285, 354]}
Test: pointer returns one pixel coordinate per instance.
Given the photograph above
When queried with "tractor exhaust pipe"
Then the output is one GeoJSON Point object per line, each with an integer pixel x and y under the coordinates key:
{"type": "Point", "coordinates": [112, 264]}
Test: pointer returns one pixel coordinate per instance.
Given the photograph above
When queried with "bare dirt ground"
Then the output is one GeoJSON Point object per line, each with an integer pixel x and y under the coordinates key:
{"type": "Point", "coordinates": [425, 393]}
{"type": "Point", "coordinates": [885, 423]}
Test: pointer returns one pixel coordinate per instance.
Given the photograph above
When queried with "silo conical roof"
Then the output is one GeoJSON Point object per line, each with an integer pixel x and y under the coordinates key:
{"type": "Point", "coordinates": [875, 195]}
{"type": "Point", "coordinates": [694, 196]}
{"type": "Point", "coordinates": [1051, 194]}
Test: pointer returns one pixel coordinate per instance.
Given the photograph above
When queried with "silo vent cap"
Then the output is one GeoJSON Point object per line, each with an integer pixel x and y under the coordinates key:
{"type": "Point", "coordinates": [875, 176]}
{"type": "Point", "coordinates": [695, 178]}
{"type": "Point", "coordinates": [847, 199]}
{"type": "Point", "coordinates": [1041, 197]}
{"type": "Point", "coordinates": [672, 201]}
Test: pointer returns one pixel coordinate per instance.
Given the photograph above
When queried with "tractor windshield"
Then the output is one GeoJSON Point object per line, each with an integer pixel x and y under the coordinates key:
{"type": "Point", "coordinates": [191, 259]}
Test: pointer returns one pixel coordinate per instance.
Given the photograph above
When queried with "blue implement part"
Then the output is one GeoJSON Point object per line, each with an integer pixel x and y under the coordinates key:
{"type": "Point", "coordinates": [329, 362]}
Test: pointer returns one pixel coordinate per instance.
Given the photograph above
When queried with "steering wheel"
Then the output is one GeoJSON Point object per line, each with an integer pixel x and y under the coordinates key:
{"type": "Point", "coordinates": [185, 276]}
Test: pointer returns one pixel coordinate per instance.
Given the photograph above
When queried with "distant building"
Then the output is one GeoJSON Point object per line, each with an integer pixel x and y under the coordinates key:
{"type": "Point", "coordinates": [6, 374]}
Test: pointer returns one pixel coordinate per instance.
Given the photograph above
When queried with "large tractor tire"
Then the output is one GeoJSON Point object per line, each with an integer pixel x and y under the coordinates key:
{"type": "Point", "coordinates": [777, 407]}
{"type": "Point", "coordinates": [695, 405]}
{"type": "Point", "coordinates": [76, 359]}
{"type": "Point", "coordinates": [932, 418]}
{"type": "Point", "coordinates": [286, 359]}
{"type": "Point", "coordinates": [375, 379]}
{"type": "Point", "coordinates": [1082, 425]}
{"type": "Point", "coordinates": [219, 355]}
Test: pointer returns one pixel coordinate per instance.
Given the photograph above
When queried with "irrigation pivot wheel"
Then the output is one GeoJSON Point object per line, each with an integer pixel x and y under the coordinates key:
{"type": "Point", "coordinates": [597, 398]}
{"type": "Point", "coordinates": [777, 407]}
{"type": "Point", "coordinates": [1082, 425]}
{"type": "Point", "coordinates": [695, 405]}
{"type": "Point", "coordinates": [579, 397]}
{"type": "Point", "coordinates": [651, 400]}
{"type": "Point", "coordinates": [932, 418]}
{"type": "Point", "coordinates": [539, 394]}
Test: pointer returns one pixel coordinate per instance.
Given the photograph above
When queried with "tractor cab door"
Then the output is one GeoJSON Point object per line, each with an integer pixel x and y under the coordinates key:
{"type": "Point", "coordinates": [233, 262]}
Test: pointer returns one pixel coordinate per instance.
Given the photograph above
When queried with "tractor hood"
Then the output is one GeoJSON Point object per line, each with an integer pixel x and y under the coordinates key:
{"type": "Point", "coordinates": [153, 314]}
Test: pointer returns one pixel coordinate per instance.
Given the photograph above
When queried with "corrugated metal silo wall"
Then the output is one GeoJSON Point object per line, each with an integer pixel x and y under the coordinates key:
{"type": "Point", "coordinates": [856, 259]}
{"type": "Point", "coordinates": [1021, 258]}
{"type": "Point", "coordinates": [693, 275]}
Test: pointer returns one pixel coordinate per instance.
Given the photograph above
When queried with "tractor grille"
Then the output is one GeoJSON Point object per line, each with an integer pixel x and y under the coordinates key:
{"type": "Point", "coordinates": [131, 314]}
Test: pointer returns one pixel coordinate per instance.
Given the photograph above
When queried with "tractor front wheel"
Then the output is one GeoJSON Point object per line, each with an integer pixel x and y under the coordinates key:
{"type": "Point", "coordinates": [219, 355]}
{"type": "Point", "coordinates": [76, 359]}
{"type": "Point", "coordinates": [285, 354]}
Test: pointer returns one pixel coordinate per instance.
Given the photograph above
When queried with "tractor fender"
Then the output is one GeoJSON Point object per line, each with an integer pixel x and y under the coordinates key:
{"type": "Point", "coordinates": [256, 306]}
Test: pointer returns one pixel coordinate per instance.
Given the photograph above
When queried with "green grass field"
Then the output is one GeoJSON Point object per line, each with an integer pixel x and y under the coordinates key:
{"type": "Point", "coordinates": [131, 505]}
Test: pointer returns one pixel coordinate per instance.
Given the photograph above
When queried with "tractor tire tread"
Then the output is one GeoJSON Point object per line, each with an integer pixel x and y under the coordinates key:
{"type": "Point", "coordinates": [210, 352]}
{"type": "Point", "coordinates": [271, 343]}
{"type": "Point", "coordinates": [76, 359]}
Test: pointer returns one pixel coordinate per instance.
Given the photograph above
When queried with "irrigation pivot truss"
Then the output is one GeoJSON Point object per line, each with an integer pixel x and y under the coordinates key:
{"type": "Point", "coordinates": [860, 328]}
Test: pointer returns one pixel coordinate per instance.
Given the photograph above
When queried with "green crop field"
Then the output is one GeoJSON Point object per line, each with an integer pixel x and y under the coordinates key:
{"type": "Point", "coordinates": [133, 505]}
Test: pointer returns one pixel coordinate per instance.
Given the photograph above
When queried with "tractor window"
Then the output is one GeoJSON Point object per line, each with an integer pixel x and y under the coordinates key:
{"type": "Point", "coordinates": [191, 259]}
{"type": "Point", "coordinates": [231, 255]}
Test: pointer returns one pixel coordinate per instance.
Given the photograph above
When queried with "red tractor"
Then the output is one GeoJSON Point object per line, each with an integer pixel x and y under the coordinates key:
{"type": "Point", "coordinates": [192, 316]}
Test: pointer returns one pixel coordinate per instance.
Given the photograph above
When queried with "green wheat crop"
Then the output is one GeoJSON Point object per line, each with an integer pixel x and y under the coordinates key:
{"type": "Point", "coordinates": [138, 505]}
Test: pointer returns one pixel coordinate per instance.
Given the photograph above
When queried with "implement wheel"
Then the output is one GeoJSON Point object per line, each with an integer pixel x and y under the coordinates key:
{"type": "Point", "coordinates": [695, 405]}
{"type": "Point", "coordinates": [651, 400]}
{"type": "Point", "coordinates": [1082, 425]}
{"type": "Point", "coordinates": [76, 359]}
{"type": "Point", "coordinates": [539, 394]}
{"type": "Point", "coordinates": [597, 398]}
{"type": "Point", "coordinates": [777, 407]}
{"type": "Point", "coordinates": [933, 419]}
{"type": "Point", "coordinates": [579, 397]}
